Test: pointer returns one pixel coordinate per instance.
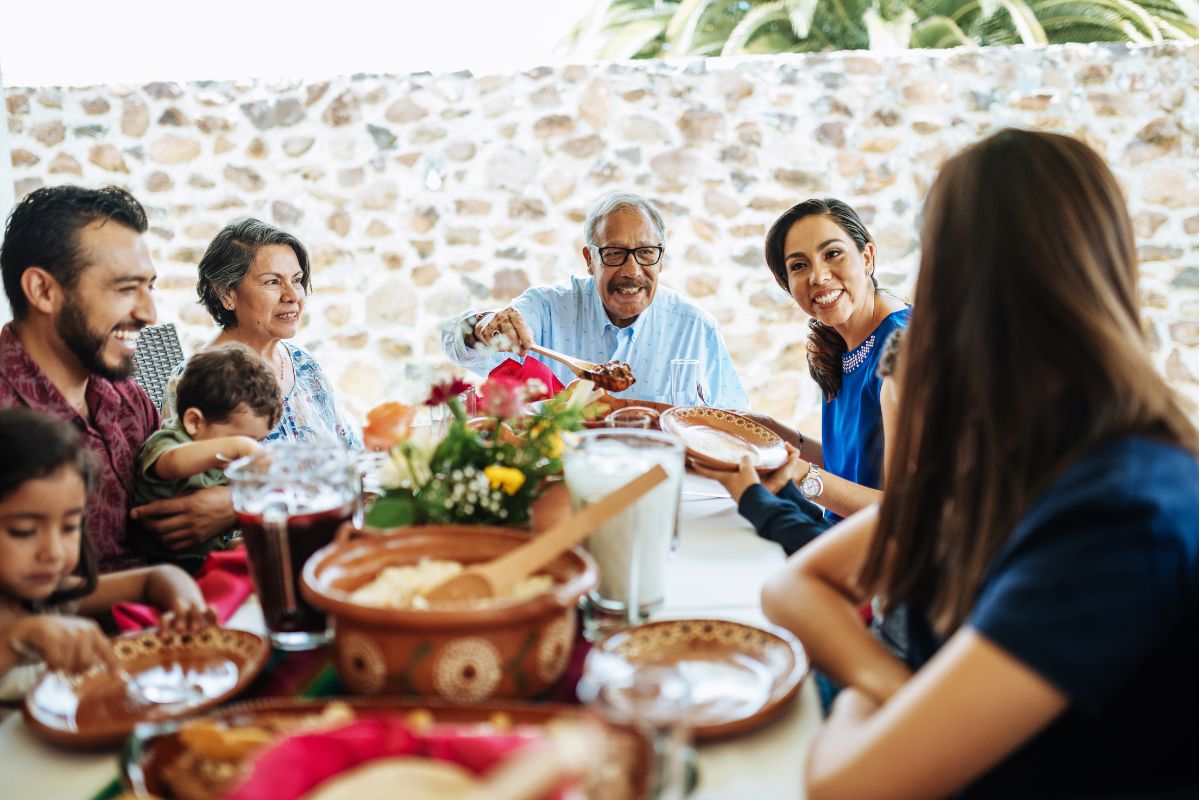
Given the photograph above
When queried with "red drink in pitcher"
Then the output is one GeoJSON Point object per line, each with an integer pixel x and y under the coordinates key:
{"type": "Point", "coordinates": [276, 570]}
{"type": "Point", "coordinates": [290, 499]}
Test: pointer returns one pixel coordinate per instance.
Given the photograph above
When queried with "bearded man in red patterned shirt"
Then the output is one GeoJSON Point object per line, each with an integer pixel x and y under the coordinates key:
{"type": "Point", "coordinates": [79, 277]}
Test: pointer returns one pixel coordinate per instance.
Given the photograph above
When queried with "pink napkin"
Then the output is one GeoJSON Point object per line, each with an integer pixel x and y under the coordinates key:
{"type": "Point", "coordinates": [224, 581]}
{"type": "Point", "coordinates": [515, 373]}
{"type": "Point", "coordinates": [298, 764]}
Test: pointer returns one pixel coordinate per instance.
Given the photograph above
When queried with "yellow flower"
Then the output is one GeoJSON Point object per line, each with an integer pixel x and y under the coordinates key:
{"type": "Point", "coordinates": [554, 446]}
{"type": "Point", "coordinates": [508, 478]}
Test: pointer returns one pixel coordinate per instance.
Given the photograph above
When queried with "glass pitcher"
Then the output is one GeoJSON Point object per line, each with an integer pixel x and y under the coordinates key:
{"type": "Point", "coordinates": [290, 499]}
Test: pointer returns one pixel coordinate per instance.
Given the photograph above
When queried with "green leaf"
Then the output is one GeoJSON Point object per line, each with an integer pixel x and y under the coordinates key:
{"type": "Point", "coordinates": [392, 511]}
{"type": "Point", "coordinates": [1025, 21]}
{"type": "Point", "coordinates": [800, 15]}
{"type": "Point", "coordinates": [936, 32]}
{"type": "Point", "coordinates": [755, 18]}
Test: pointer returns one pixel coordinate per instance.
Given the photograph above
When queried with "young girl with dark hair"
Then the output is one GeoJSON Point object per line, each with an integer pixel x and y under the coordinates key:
{"type": "Point", "coordinates": [48, 578]}
{"type": "Point", "coordinates": [1040, 520]}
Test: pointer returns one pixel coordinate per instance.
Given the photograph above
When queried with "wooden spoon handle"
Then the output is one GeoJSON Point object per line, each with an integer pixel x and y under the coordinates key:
{"type": "Point", "coordinates": [505, 571]}
{"type": "Point", "coordinates": [574, 364]}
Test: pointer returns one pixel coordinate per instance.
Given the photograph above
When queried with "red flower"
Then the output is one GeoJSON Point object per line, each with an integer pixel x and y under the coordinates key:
{"type": "Point", "coordinates": [442, 392]}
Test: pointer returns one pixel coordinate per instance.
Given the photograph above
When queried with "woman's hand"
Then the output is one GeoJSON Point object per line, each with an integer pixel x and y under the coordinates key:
{"type": "Point", "coordinates": [173, 591]}
{"type": "Point", "coordinates": [736, 482]}
{"type": "Point", "coordinates": [70, 644]}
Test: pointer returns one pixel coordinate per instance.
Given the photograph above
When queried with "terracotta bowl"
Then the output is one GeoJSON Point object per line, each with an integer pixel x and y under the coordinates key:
{"type": "Point", "coordinates": [506, 649]}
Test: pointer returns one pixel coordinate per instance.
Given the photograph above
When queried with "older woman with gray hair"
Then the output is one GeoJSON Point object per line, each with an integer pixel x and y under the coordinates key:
{"type": "Point", "coordinates": [616, 311]}
{"type": "Point", "coordinates": [254, 280]}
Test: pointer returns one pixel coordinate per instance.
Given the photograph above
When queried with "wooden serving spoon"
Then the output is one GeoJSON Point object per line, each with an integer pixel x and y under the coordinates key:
{"type": "Point", "coordinates": [600, 374]}
{"type": "Point", "coordinates": [499, 575]}
{"type": "Point", "coordinates": [581, 368]}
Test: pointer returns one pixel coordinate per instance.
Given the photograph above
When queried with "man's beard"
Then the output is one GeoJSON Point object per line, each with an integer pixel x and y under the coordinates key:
{"type": "Point", "coordinates": [87, 346]}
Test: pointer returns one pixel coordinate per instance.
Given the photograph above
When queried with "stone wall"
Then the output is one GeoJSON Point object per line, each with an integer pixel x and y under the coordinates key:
{"type": "Point", "coordinates": [422, 195]}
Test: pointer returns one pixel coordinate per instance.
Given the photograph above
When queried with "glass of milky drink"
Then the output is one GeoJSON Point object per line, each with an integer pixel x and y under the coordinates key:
{"type": "Point", "coordinates": [290, 499]}
{"type": "Point", "coordinates": [631, 549]}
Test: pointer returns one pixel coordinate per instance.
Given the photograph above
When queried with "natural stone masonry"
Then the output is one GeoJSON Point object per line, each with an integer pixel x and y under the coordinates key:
{"type": "Point", "coordinates": [424, 194]}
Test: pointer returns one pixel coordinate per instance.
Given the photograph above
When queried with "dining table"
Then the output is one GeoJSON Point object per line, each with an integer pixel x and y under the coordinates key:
{"type": "Point", "coordinates": [716, 572]}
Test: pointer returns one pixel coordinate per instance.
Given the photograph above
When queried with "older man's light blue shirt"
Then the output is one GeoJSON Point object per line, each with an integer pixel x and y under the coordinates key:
{"type": "Point", "coordinates": [571, 319]}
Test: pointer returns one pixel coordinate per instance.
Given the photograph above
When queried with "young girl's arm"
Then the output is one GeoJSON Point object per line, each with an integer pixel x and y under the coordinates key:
{"type": "Point", "coordinates": [166, 587]}
{"type": "Point", "coordinates": [967, 709]}
{"type": "Point", "coordinates": [816, 596]}
{"type": "Point", "coordinates": [193, 458]}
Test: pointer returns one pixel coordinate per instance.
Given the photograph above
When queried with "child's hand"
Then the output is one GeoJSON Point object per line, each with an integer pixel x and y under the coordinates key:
{"type": "Point", "coordinates": [243, 446]}
{"type": "Point", "coordinates": [736, 482]}
{"type": "Point", "coordinates": [187, 615]}
{"type": "Point", "coordinates": [70, 644]}
{"type": "Point", "coordinates": [776, 480]}
{"type": "Point", "coordinates": [174, 592]}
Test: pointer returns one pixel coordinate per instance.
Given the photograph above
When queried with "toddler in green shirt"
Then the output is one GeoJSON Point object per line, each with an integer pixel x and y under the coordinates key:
{"type": "Point", "coordinates": [227, 400]}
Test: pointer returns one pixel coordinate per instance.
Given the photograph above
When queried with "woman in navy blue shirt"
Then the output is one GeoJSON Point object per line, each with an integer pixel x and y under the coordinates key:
{"type": "Point", "coordinates": [822, 254]}
{"type": "Point", "coordinates": [1040, 523]}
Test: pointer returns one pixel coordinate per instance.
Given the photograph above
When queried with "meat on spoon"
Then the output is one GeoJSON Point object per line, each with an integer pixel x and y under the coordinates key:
{"type": "Point", "coordinates": [612, 376]}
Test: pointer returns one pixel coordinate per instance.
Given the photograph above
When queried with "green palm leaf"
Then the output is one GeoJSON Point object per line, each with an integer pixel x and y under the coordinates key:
{"type": "Point", "coordinates": [939, 32]}
{"type": "Point", "coordinates": [756, 18]}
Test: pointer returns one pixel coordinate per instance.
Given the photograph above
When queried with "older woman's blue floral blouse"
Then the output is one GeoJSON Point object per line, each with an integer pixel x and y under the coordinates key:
{"type": "Point", "coordinates": [310, 410]}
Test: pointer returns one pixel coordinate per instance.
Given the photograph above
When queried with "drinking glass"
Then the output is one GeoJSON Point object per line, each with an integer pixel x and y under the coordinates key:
{"type": "Point", "coordinates": [654, 698]}
{"type": "Point", "coordinates": [631, 417]}
{"type": "Point", "coordinates": [290, 499]}
{"type": "Point", "coordinates": [685, 382]}
{"type": "Point", "coordinates": [631, 548]}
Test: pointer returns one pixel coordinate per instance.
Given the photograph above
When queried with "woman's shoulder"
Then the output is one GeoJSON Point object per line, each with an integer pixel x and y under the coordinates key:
{"type": "Point", "coordinates": [1128, 480]}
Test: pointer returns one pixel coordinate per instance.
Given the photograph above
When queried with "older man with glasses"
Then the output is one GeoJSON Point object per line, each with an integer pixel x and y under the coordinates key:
{"type": "Point", "coordinates": [616, 312]}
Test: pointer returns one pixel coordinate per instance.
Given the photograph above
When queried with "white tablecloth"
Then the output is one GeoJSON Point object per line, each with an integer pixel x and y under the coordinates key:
{"type": "Point", "coordinates": [717, 572]}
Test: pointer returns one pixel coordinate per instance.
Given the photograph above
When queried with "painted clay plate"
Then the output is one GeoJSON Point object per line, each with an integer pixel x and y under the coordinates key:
{"type": "Point", "coordinates": [740, 676]}
{"type": "Point", "coordinates": [176, 674]}
{"type": "Point", "coordinates": [718, 439]}
{"type": "Point", "coordinates": [154, 751]}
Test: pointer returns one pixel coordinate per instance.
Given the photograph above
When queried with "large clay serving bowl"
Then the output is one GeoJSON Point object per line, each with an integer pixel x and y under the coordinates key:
{"type": "Point", "coordinates": [505, 648]}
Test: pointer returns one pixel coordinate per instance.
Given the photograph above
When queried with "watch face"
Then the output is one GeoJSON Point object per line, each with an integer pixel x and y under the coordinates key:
{"type": "Point", "coordinates": [811, 487]}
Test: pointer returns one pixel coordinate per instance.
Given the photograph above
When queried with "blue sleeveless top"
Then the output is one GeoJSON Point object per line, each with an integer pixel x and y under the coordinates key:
{"type": "Point", "coordinates": [852, 422]}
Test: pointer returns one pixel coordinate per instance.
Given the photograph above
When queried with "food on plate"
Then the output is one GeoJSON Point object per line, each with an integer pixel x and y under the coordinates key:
{"type": "Point", "coordinates": [213, 753]}
{"type": "Point", "coordinates": [719, 444]}
{"type": "Point", "coordinates": [405, 587]}
{"type": "Point", "coordinates": [612, 376]}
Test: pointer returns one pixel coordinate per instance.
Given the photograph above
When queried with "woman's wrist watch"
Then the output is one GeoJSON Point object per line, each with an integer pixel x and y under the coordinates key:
{"type": "Point", "coordinates": [811, 485]}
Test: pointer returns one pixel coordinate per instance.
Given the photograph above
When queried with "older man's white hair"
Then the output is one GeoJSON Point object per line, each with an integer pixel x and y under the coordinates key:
{"type": "Point", "coordinates": [616, 201]}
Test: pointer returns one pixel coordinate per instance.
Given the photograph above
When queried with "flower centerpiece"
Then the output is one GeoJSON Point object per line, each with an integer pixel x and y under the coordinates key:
{"type": "Point", "coordinates": [483, 471]}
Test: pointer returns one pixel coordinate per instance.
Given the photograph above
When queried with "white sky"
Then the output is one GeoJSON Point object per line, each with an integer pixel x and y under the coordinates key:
{"type": "Point", "coordinates": [81, 42]}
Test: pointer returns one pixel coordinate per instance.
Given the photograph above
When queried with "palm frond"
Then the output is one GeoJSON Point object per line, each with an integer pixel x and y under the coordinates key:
{"type": "Point", "coordinates": [754, 19]}
{"type": "Point", "coordinates": [1025, 22]}
{"type": "Point", "coordinates": [939, 32]}
{"type": "Point", "coordinates": [800, 16]}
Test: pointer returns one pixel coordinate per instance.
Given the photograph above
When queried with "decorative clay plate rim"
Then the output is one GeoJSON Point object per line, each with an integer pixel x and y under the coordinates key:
{"type": "Point", "coordinates": [761, 437]}
{"type": "Point", "coordinates": [773, 647]}
{"type": "Point", "coordinates": [247, 650]}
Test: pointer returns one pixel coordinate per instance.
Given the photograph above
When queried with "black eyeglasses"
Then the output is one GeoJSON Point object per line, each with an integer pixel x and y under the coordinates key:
{"type": "Point", "coordinates": [617, 256]}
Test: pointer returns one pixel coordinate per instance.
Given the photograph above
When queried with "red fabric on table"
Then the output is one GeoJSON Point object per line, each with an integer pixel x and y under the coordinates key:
{"type": "Point", "coordinates": [515, 374]}
{"type": "Point", "coordinates": [300, 763]}
{"type": "Point", "coordinates": [224, 581]}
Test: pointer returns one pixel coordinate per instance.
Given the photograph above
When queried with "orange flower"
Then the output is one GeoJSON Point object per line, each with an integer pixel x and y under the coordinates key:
{"type": "Point", "coordinates": [388, 424]}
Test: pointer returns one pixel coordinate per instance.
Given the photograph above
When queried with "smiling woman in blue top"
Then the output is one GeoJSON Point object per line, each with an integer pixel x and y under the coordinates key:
{"type": "Point", "coordinates": [617, 312]}
{"type": "Point", "coordinates": [822, 254]}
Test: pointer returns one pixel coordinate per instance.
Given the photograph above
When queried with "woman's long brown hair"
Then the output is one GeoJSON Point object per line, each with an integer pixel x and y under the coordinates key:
{"type": "Point", "coordinates": [1025, 351]}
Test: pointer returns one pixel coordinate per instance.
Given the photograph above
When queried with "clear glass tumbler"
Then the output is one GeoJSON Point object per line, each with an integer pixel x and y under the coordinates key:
{"type": "Point", "coordinates": [631, 548]}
